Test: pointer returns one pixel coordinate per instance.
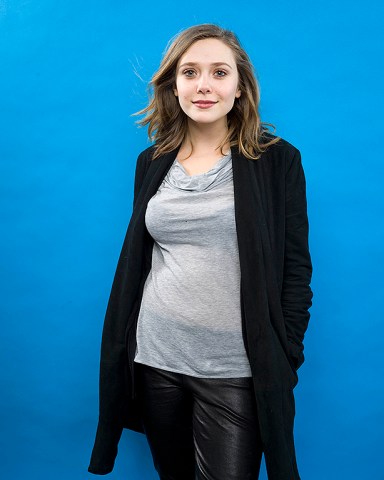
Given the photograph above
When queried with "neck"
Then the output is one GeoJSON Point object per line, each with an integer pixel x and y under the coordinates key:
{"type": "Point", "coordinates": [206, 138]}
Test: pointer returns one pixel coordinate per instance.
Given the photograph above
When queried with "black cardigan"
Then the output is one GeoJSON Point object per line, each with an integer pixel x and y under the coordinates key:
{"type": "Point", "coordinates": [272, 230]}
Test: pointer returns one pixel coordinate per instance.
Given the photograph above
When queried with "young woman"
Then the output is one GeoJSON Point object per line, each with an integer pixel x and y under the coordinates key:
{"type": "Point", "coordinates": [205, 324]}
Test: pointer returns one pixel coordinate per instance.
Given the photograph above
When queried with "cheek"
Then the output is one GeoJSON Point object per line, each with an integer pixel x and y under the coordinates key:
{"type": "Point", "coordinates": [185, 97]}
{"type": "Point", "coordinates": [185, 90]}
{"type": "Point", "coordinates": [230, 94]}
{"type": "Point", "coordinates": [183, 87]}
{"type": "Point", "coordinates": [182, 100]}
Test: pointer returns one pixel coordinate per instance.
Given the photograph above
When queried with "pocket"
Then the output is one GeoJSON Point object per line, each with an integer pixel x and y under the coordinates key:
{"type": "Point", "coordinates": [295, 355]}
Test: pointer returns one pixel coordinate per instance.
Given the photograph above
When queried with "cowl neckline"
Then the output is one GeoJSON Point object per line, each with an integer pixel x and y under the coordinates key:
{"type": "Point", "coordinates": [220, 173]}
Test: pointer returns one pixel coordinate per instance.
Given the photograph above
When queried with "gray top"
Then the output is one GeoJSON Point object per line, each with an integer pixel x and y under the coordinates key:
{"type": "Point", "coordinates": [190, 318]}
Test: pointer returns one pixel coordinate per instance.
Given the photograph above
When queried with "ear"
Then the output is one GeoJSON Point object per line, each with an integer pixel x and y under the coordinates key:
{"type": "Point", "coordinates": [238, 93]}
{"type": "Point", "coordinates": [175, 92]}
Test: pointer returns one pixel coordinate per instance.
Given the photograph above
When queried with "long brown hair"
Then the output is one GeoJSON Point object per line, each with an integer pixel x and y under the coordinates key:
{"type": "Point", "coordinates": [167, 123]}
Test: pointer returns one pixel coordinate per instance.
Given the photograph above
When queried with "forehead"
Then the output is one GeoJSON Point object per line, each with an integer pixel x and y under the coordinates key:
{"type": "Point", "coordinates": [209, 50]}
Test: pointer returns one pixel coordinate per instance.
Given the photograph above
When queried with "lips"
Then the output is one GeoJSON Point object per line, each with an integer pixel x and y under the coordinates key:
{"type": "Point", "coordinates": [204, 103]}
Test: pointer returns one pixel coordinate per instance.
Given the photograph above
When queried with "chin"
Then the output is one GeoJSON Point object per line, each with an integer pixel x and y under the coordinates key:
{"type": "Point", "coordinates": [206, 120]}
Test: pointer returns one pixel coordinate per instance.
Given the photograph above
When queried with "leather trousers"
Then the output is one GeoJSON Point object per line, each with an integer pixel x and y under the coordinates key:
{"type": "Point", "coordinates": [199, 428]}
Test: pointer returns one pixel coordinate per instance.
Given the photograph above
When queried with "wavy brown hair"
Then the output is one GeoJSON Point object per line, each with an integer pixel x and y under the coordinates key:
{"type": "Point", "coordinates": [167, 123]}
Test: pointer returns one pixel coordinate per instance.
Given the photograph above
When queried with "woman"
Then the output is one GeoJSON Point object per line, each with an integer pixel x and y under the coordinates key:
{"type": "Point", "coordinates": [204, 327]}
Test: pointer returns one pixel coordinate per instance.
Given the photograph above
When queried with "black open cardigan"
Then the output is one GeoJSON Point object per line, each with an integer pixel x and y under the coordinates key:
{"type": "Point", "coordinates": [272, 230]}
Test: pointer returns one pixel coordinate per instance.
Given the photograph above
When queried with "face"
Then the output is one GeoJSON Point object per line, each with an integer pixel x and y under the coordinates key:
{"type": "Point", "coordinates": [207, 82]}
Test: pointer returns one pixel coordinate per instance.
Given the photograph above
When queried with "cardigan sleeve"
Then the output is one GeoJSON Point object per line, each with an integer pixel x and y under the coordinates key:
{"type": "Point", "coordinates": [112, 381]}
{"type": "Point", "coordinates": [296, 296]}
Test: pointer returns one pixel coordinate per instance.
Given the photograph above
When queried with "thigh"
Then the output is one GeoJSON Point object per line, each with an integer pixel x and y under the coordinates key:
{"type": "Point", "coordinates": [226, 430]}
{"type": "Point", "coordinates": [166, 410]}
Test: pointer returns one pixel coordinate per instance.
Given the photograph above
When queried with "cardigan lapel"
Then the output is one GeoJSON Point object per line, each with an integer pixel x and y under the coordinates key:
{"type": "Point", "coordinates": [137, 248]}
{"type": "Point", "coordinates": [254, 300]}
{"type": "Point", "coordinates": [263, 323]}
{"type": "Point", "coordinates": [153, 178]}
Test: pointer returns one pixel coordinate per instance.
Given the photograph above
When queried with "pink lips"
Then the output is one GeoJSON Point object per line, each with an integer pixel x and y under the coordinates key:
{"type": "Point", "coordinates": [204, 103]}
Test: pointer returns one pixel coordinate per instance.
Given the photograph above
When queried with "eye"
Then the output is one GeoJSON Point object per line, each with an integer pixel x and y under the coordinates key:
{"type": "Point", "coordinates": [189, 72]}
{"type": "Point", "coordinates": [220, 73]}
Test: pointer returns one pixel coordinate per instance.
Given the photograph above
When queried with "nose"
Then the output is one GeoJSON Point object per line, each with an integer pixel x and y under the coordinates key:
{"type": "Point", "coordinates": [204, 85]}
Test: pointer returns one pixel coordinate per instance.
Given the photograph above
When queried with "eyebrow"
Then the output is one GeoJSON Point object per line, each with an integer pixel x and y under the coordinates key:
{"type": "Point", "coordinates": [215, 64]}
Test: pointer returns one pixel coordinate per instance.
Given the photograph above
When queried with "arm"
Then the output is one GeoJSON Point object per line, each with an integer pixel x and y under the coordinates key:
{"type": "Point", "coordinates": [112, 385]}
{"type": "Point", "coordinates": [296, 297]}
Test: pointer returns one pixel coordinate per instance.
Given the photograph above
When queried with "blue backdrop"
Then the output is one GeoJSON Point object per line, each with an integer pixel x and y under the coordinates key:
{"type": "Point", "coordinates": [71, 74]}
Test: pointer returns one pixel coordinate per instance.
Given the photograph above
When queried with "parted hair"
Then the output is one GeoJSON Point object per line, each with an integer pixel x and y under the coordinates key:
{"type": "Point", "coordinates": [168, 124]}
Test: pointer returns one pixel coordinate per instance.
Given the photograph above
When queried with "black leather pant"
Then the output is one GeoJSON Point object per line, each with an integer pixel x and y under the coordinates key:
{"type": "Point", "coordinates": [199, 428]}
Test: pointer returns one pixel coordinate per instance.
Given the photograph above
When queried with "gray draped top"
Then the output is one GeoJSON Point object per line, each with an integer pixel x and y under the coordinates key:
{"type": "Point", "coordinates": [190, 318]}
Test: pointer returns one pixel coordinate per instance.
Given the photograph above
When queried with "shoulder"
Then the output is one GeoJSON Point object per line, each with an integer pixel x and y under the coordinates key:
{"type": "Point", "coordinates": [143, 161]}
{"type": "Point", "coordinates": [281, 154]}
{"type": "Point", "coordinates": [142, 164]}
{"type": "Point", "coordinates": [281, 147]}
{"type": "Point", "coordinates": [146, 155]}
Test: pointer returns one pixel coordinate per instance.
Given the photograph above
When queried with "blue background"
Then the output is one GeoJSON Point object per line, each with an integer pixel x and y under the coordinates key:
{"type": "Point", "coordinates": [71, 74]}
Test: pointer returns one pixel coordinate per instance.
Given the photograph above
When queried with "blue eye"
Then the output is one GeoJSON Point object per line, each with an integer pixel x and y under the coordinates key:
{"type": "Point", "coordinates": [189, 73]}
{"type": "Point", "coordinates": [220, 73]}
